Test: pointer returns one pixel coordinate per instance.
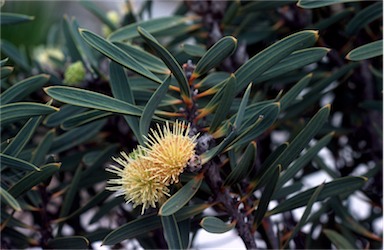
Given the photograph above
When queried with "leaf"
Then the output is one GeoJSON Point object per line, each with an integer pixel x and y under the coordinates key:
{"type": "Point", "coordinates": [208, 155]}
{"type": "Point", "coordinates": [240, 113]}
{"type": "Point", "coordinates": [215, 225]}
{"type": "Point", "coordinates": [268, 57]}
{"type": "Point", "coordinates": [7, 160]}
{"type": "Point", "coordinates": [8, 199]}
{"type": "Point", "coordinates": [224, 104]}
{"type": "Point", "coordinates": [193, 50]}
{"type": "Point", "coordinates": [150, 107]}
{"type": "Point", "coordinates": [106, 208]}
{"type": "Point", "coordinates": [84, 118]}
{"type": "Point", "coordinates": [338, 187]}
{"type": "Point", "coordinates": [266, 196]}
{"type": "Point", "coordinates": [311, 4]}
{"type": "Point", "coordinates": [144, 224]}
{"type": "Point", "coordinates": [89, 99]}
{"type": "Point", "coordinates": [181, 197]}
{"type": "Point", "coordinates": [215, 55]}
{"type": "Point", "coordinates": [23, 88]}
{"type": "Point", "coordinates": [117, 55]}
{"type": "Point", "coordinates": [296, 60]}
{"type": "Point", "coordinates": [153, 26]}
{"type": "Point", "coordinates": [32, 179]}
{"type": "Point", "coordinates": [337, 239]}
{"type": "Point", "coordinates": [303, 160]}
{"type": "Point", "coordinates": [57, 118]}
{"type": "Point", "coordinates": [17, 111]}
{"type": "Point", "coordinates": [5, 71]}
{"type": "Point", "coordinates": [366, 51]}
{"type": "Point", "coordinates": [169, 60]}
{"type": "Point", "coordinates": [290, 96]}
{"type": "Point", "coordinates": [121, 89]}
{"type": "Point", "coordinates": [364, 17]}
{"type": "Point", "coordinates": [68, 242]}
{"type": "Point", "coordinates": [42, 149]}
{"type": "Point", "coordinates": [9, 50]}
{"type": "Point", "coordinates": [72, 190]}
{"type": "Point", "coordinates": [13, 18]}
{"type": "Point", "coordinates": [244, 166]}
{"type": "Point", "coordinates": [99, 13]}
{"type": "Point", "coordinates": [23, 136]}
{"type": "Point", "coordinates": [304, 217]}
{"type": "Point", "coordinates": [171, 232]}
{"type": "Point", "coordinates": [334, 18]}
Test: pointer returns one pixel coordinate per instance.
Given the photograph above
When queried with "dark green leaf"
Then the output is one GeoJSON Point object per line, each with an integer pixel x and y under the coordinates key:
{"type": "Point", "coordinates": [14, 54]}
{"type": "Point", "coordinates": [68, 242]}
{"type": "Point", "coordinates": [84, 118]}
{"type": "Point", "coordinates": [13, 18]}
{"type": "Point", "coordinates": [364, 17]}
{"type": "Point", "coordinates": [194, 50]}
{"type": "Point", "coordinates": [17, 111]}
{"type": "Point", "coordinates": [5, 71]}
{"type": "Point", "coordinates": [150, 107]}
{"type": "Point", "coordinates": [32, 179]}
{"type": "Point", "coordinates": [57, 118]}
{"type": "Point", "coordinates": [41, 151]}
{"type": "Point", "coordinates": [7, 160]}
{"type": "Point", "coordinates": [240, 113]}
{"type": "Point", "coordinates": [171, 232]}
{"type": "Point", "coordinates": [215, 225]}
{"type": "Point", "coordinates": [99, 13]}
{"type": "Point", "coordinates": [290, 96]}
{"type": "Point", "coordinates": [117, 55]}
{"type": "Point", "coordinates": [338, 239]}
{"type": "Point", "coordinates": [6, 198]}
{"type": "Point", "coordinates": [169, 60]}
{"type": "Point", "coordinates": [181, 197]}
{"type": "Point", "coordinates": [310, 4]}
{"type": "Point", "coordinates": [215, 55]}
{"type": "Point", "coordinates": [106, 208]}
{"type": "Point", "coordinates": [366, 51]}
{"type": "Point", "coordinates": [23, 88]}
{"type": "Point", "coordinates": [335, 18]}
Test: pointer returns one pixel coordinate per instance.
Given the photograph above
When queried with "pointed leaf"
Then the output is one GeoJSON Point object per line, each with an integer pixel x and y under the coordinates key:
{"type": "Point", "coordinates": [240, 113]}
{"type": "Point", "coordinates": [181, 197]}
{"type": "Point", "coordinates": [310, 4]}
{"type": "Point", "coordinates": [32, 179]}
{"type": "Point", "coordinates": [5, 71]}
{"type": "Point", "coordinates": [7, 160]}
{"type": "Point", "coordinates": [215, 55]}
{"type": "Point", "coordinates": [14, 54]}
{"type": "Point", "coordinates": [171, 232]}
{"type": "Point", "coordinates": [215, 225]}
{"type": "Point", "coordinates": [68, 242]}
{"type": "Point", "coordinates": [89, 99]}
{"type": "Point", "coordinates": [290, 96]}
{"type": "Point", "coordinates": [41, 151]}
{"type": "Point", "coordinates": [194, 50]}
{"type": "Point", "coordinates": [17, 111]}
{"type": "Point", "coordinates": [13, 18]}
{"type": "Point", "coordinates": [169, 60]}
{"type": "Point", "coordinates": [364, 17]}
{"type": "Point", "coordinates": [366, 51]}
{"type": "Point", "coordinates": [338, 239]}
{"type": "Point", "coordinates": [117, 55]}
{"type": "Point", "coordinates": [150, 107]}
{"type": "Point", "coordinates": [99, 13]}
{"type": "Point", "coordinates": [8, 199]}
{"type": "Point", "coordinates": [84, 118]}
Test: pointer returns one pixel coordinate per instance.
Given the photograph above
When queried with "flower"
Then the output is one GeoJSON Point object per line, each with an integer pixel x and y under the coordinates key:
{"type": "Point", "coordinates": [170, 150]}
{"type": "Point", "coordinates": [137, 182]}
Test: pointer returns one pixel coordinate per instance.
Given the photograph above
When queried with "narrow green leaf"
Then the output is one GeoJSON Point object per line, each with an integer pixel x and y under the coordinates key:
{"type": "Point", "coordinates": [215, 55]}
{"type": "Point", "coordinates": [185, 229]}
{"type": "Point", "coordinates": [304, 217]}
{"type": "Point", "coordinates": [338, 187]}
{"type": "Point", "coordinates": [57, 118]}
{"type": "Point", "coordinates": [73, 188]}
{"type": "Point", "coordinates": [41, 151]}
{"type": "Point", "coordinates": [3, 61]}
{"type": "Point", "coordinates": [290, 96]}
{"type": "Point", "coordinates": [76, 136]}
{"type": "Point", "coordinates": [9, 50]}
{"type": "Point", "coordinates": [334, 18]}
{"type": "Point", "coordinates": [366, 51]}
{"type": "Point", "coordinates": [5, 71]}
{"type": "Point", "coordinates": [311, 4]}
{"type": "Point", "coordinates": [8, 199]}
{"type": "Point", "coordinates": [147, 223]}
{"type": "Point", "coordinates": [282, 193]}
{"type": "Point", "coordinates": [23, 88]}
{"type": "Point", "coordinates": [17, 111]}
{"type": "Point", "coordinates": [89, 99]}
{"type": "Point", "coordinates": [68, 242]}
{"type": "Point", "coordinates": [171, 232]}
{"type": "Point", "coordinates": [13, 18]}
{"type": "Point", "coordinates": [32, 179]}
{"type": "Point", "coordinates": [240, 113]}
{"type": "Point", "coordinates": [268, 57]}
{"type": "Point", "coordinates": [148, 60]}
{"type": "Point", "coordinates": [303, 160]}
{"type": "Point", "coordinates": [23, 136]}
{"type": "Point", "coordinates": [99, 13]}
{"type": "Point", "coordinates": [121, 89]}
{"type": "Point", "coordinates": [364, 17]}
{"type": "Point", "coordinates": [106, 208]}
{"type": "Point", "coordinates": [244, 166]}
{"type": "Point", "coordinates": [193, 50]}
{"type": "Point", "coordinates": [338, 239]}
{"type": "Point", "coordinates": [263, 5]}
{"type": "Point", "coordinates": [84, 118]}
{"type": "Point", "coordinates": [215, 225]}
{"type": "Point", "coordinates": [224, 104]}
{"type": "Point", "coordinates": [208, 155]}
{"type": "Point", "coordinates": [169, 60]}
{"type": "Point", "coordinates": [181, 197]}
{"type": "Point", "coordinates": [7, 160]}
{"type": "Point", "coordinates": [117, 55]}
{"type": "Point", "coordinates": [153, 26]}
{"type": "Point", "coordinates": [150, 107]}
{"type": "Point", "coordinates": [266, 196]}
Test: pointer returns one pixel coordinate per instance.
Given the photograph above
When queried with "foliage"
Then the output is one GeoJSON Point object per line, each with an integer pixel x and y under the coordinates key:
{"type": "Point", "coordinates": [240, 73]}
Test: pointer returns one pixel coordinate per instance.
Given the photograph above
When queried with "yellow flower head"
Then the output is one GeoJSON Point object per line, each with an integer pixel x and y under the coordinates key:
{"type": "Point", "coordinates": [170, 150]}
{"type": "Point", "coordinates": [137, 182]}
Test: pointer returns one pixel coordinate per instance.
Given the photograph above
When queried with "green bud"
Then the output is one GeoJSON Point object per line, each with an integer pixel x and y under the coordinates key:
{"type": "Point", "coordinates": [75, 73]}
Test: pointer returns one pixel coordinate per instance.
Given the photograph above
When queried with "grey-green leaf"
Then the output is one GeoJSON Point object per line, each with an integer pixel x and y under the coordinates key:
{"type": "Point", "coordinates": [9, 199]}
{"type": "Point", "coordinates": [364, 17]}
{"type": "Point", "coordinates": [13, 18]}
{"type": "Point", "coordinates": [68, 242]}
{"type": "Point", "coordinates": [17, 111]}
{"type": "Point", "coordinates": [366, 51]}
{"type": "Point", "coordinates": [7, 160]}
{"type": "Point", "coordinates": [215, 225]}
{"type": "Point", "coordinates": [171, 232]}
{"type": "Point", "coordinates": [339, 240]}
{"type": "Point", "coordinates": [311, 4]}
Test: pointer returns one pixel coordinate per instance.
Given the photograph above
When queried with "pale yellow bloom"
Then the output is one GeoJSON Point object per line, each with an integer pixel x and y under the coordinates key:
{"type": "Point", "coordinates": [170, 150]}
{"type": "Point", "coordinates": [137, 182]}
